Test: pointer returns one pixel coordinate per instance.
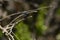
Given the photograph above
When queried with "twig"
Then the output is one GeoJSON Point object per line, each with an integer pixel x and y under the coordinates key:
{"type": "Point", "coordinates": [15, 36]}
{"type": "Point", "coordinates": [50, 13]}
{"type": "Point", "coordinates": [8, 28]}
{"type": "Point", "coordinates": [29, 11]}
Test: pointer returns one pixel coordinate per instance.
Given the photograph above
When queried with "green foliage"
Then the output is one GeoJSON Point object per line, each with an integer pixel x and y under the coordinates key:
{"type": "Point", "coordinates": [1, 33]}
{"type": "Point", "coordinates": [58, 11]}
{"type": "Point", "coordinates": [40, 20]}
{"type": "Point", "coordinates": [22, 32]}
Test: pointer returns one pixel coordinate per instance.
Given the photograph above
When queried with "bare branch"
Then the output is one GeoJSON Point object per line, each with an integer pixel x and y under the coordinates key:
{"type": "Point", "coordinates": [50, 13]}
{"type": "Point", "coordinates": [29, 11]}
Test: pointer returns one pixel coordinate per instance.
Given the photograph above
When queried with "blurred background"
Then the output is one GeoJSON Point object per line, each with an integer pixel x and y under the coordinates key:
{"type": "Point", "coordinates": [43, 25]}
